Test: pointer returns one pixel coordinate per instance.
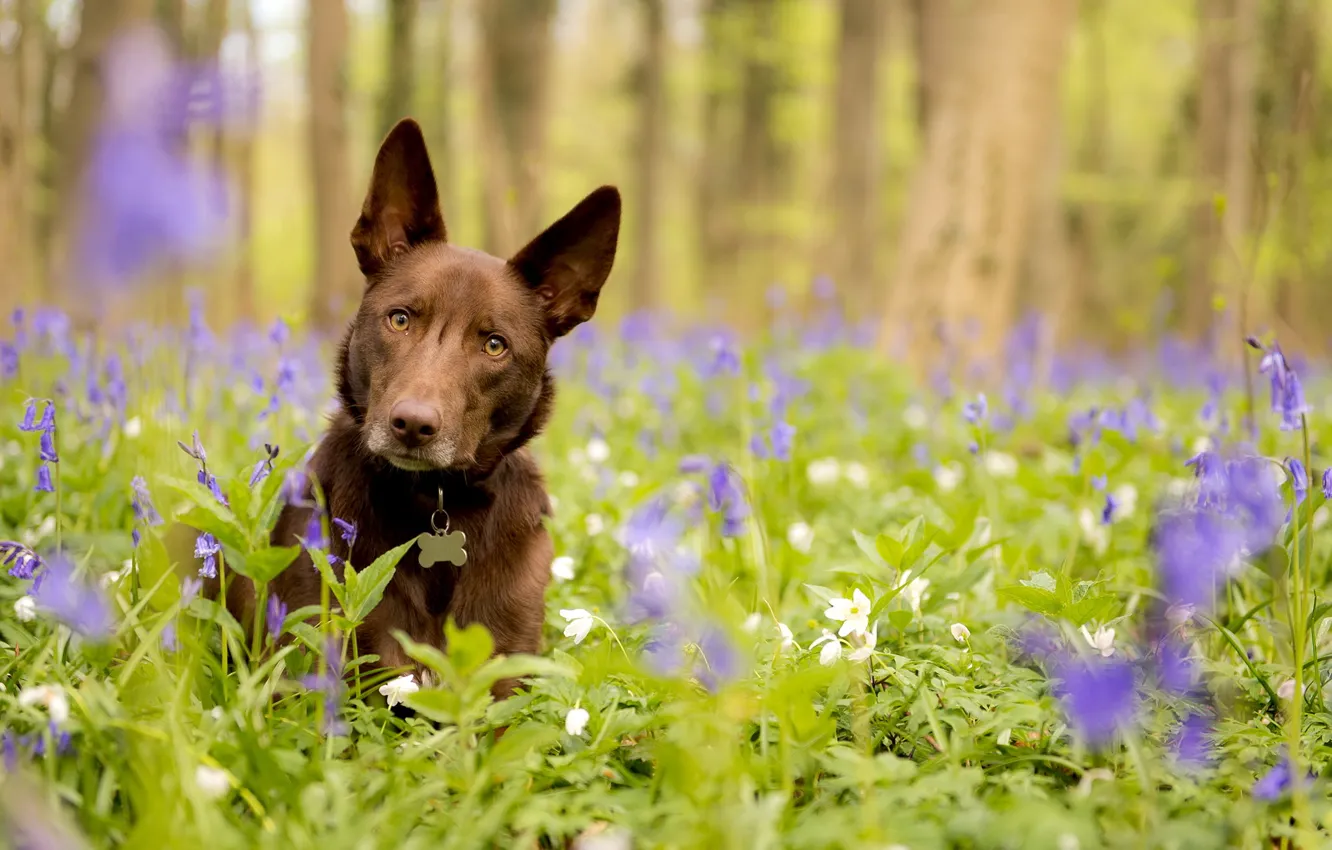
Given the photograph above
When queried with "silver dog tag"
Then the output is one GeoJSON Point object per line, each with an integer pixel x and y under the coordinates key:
{"type": "Point", "coordinates": [439, 545]}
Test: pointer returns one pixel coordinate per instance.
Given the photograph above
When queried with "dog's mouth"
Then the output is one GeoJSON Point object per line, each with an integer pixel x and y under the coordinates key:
{"type": "Point", "coordinates": [440, 453]}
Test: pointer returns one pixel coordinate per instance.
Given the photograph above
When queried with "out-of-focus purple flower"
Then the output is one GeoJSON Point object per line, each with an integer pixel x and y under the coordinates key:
{"type": "Point", "coordinates": [314, 532]}
{"type": "Point", "coordinates": [74, 602]}
{"type": "Point", "coordinates": [720, 662]}
{"type": "Point", "coordinates": [664, 653]}
{"type": "Point", "coordinates": [1099, 696]}
{"type": "Point", "coordinates": [1287, 393]}
{"type": "Point", "coordinates": [975, 411]}
{"type": "Point", "coordinates": [169, 641]}
{"type": "Point", "coordinates": [265, 465]}
{"type": "Point", "coordinates": [44, 484]}
{"type": "Point", "coordinates": [279, 332]}
{"type": "Point", "coordinates": [9, 361]}
{"type": "Point", "coordinates": [330, 683]}
{"type": "Point", "coordinates": [783, 440]}
{"type": "Point", "coordinates": [145, 201]}
{"type": "Point", "coordinates": [725, 358]}
{"type": "Point", "coordinates": [22, 561]}
{"type": "Point", "coordinates": [276, 616]}
{"type": "Point", "coordinates": [189, 588]}
{"type": "Point", "coordinates": [1299, 479]}
{"type": "Point", "coordinates": [9, 743]}
{"type": "Point", "coordinates": [694, 463]}
{"type": "Point", "coordinates": [205, 477]}
{"type": "Point", "coordinates": [29, 422]}
{"type": "Point", "coordinates": [1327, 483]}
{"type": "Point", "coordinates": [207, 548]}
{"type": "Point", "coordinates": [1191, 746]}
{"type": "Point", "coordinates": [1108, 512]}
{"type": "Point", "coordinates": [1177, 671]}
{"type": "Point", "coordinates": [1098, 483]}
{"type": "Point", "coordinates": [1274, 784]}
{"type": "Point", "coordinates": [142, 502]}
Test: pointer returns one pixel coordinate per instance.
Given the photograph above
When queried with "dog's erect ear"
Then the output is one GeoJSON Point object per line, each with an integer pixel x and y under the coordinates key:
{"type": "Point", "coordinates": [568, 264]}
{"type": "Point", "coordinates": [401, 209]}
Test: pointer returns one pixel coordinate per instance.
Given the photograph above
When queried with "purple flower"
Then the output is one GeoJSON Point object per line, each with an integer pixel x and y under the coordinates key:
{"type": "Point", "coordinates": [720, 662]}
{"type": "Point", "coordinates": [975, 411]}
{"type": "Point", "coordinates": [276, 616]}
{"type": "Point", "coordinates": [9, 743]}
{"type": "Point", "coordinates": [1299, 479]}
{"type": "Point", "coordinates": [783, 439]}
{"type": "Point", "coordinates": [44, 484]}
{"type": "Point", "coordinates": [1287, 393]}
{"type": "Point", "coordinates": [189, 588]}
{"type": "Point", "coordinates": [1098, 483]}
{"type": "Point", "coordinates": [1191, 746]}
{"type": "Point", "coordinates": [314, 532]}
{"type": "Point", "coordinates": [9, 361]}
{"type": "Point", "coordinates": [1274, 783]}
{"type": "Point", "coordinates": [74, 602]}
{"type": "Point", "coordinates": [1108, 512]}
{"type": "Point", "coordinates": [265, 465]}
{"type": "Point", "coordinates": [331, 685]}
{"type": "Point", "coordinates": [46, 448]}
{"type": "Point", "coordinates": [1176, 670]}
{"type": "Point", "coordinates": [29, 422]}
{"type": "Point", "coordinates": [207, 548]}
{"type": "Point", "coordinates": [694, 463]}
{"type": "Point", "coordinates": [1327, 483]}
{"type": "Point", "coordinates": [21, 560]}
{"type": "Point", "coordinates": [169, 641]}
{"type": "Point", "coordinates": [142, 502]}
{"type": "Point", "coordinates": [1099, 696]}
{"type": "Point", "coordinates": [346, 530]}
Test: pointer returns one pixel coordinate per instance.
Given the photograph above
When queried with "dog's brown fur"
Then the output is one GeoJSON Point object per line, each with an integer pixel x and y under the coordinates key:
{"type": "Point", "coordinates": [482, 409]}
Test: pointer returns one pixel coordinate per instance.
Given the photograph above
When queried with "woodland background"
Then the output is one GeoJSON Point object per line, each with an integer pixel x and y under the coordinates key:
{"type": "Point", "coordinates": [1128, 168]}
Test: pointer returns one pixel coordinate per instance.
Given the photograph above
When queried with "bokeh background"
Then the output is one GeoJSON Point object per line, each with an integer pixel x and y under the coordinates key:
{"type": "Point", "coordinates": [1130, 169]}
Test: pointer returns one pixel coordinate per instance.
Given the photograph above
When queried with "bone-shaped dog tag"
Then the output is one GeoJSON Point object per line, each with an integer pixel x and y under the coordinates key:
{"type": "Point", "coordinates": [442, 547]}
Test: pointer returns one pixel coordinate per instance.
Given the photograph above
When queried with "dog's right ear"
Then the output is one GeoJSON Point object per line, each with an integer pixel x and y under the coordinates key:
{"type": "Point", "coordinates": [401, 209]}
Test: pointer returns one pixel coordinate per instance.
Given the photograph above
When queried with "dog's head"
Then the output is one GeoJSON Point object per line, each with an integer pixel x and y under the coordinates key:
{"type": "Point", "coordinates": [444, 366]}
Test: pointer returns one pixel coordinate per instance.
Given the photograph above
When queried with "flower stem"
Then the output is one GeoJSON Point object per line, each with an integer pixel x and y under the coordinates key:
{"type": "Point", "coordinates": [1295, 713]}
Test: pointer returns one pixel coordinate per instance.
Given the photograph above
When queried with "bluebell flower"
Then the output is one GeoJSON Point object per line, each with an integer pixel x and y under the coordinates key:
{"type": "Point", "coordinates": [47, 451]}
{"type": "Point", "coordinates": [1299, 479]}
{"type": "Point", "coordinates": [1275, 782]}
{"type": "Point", "coordinates": [207, 548]}
{"type": "Point", "coordinates": [169, 640]}
{"type": "Point", "coordinates": [77, 604]}
{"type": "Point", "coordinates": [721, 660]}
{"type": "Point", "coordinates": [9, 744]}
{"type": "Point", "coordinates": [783, 440]}
{"type": "Point", "coordinates": [29, 422]}
{"type": "Point", "coordinates": [23, 563]}
{"type": "Point", "coordinates": [1327, 483]}
{"type": "Point", "coordinates": [1098, 482]}
{"type": "Point", "coordinates": [314, 532]}
{"type": "Point", "coordinates": [1287, 394]}
{"type": "Point", "coordinates": [975, 411]}
{"type": "Point", "coordinates": [1191, 746]}
{"type": "Point", "coordinates": [1099, 696]}
{"type": "Point", "coordinates": [1177, 672]}
{"type": "Point", "coordinates": [189, 588]}
{"type": "Point", "coordinates": [330, 683]}
{"type": "Point", "coordinates": [346, 530]}
{"type": "Point", "coordinates": [9, 361]}
{"type": "Point", "coordinates": [276, 615]}
{"type": "Point", "coordinates": [264, 467]}
{"type": "Point", "coordinates": [1108, 512]}
{"type": "Point", "coordinates": [44, 484]}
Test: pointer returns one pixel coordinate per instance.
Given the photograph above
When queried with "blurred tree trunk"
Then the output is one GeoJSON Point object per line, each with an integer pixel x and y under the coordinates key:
{"type": "Point", "coordinates": [171, 17]}
{"type": "Point", "coordinates": [13, 161]}
{"type": "Point", "coordinates": [716, 176]}
{"type": "Point", "coordinates": [441, 121]}
{"type": "Point", "coordinates": [851, 251]}
{"type": "Point", "coordinates": [242, 156]}
{"type": "Point", "coordinates": [333, 287]}
{"type": "Point", "coordinates": [646, 289]}
{"type": "Point", "coordinates": [515, 54]}
{"type": "Point", "coordinates": [1225, 125]}
{"type": "Point", "coordinates": [99, 22]}
{"type": "Point", "coordinates": [969, 215]}
{"type": "Point", "coordinates": [399, 94]}
{"type": "Point", "coordinates": [1087, 228]}
{"type": "Point", "coordinates": [928, 18]}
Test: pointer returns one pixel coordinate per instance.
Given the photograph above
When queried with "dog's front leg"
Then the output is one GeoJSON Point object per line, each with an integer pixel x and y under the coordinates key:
{"type": "Point", "coordinates": [508, 598]}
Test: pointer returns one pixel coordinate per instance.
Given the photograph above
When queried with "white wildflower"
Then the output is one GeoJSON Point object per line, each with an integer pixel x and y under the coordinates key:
{"type": "Point", "coordinates": [627, 479]}
{"type": "Point", "coordinates": [1126, 499]}
{"type": "Point", "coordinates": [864, 645]}
{"type": "Point", "coordinates": [212, 783]}
{"type": "Point", "coordinates": [913, 591]}
{"type": "Point", "coordinates": [948, 477]}
{"type": "Point", "coordinates": [1001, 464]}
{"type": "Point", "coordinates": [961, 633]}
{"type": "Point", "coordinates": [598, 450]}
{"type": "Point", "coordinates": [133, 428]}
{"type": "Point", "coordinates": [398, 689]}
{"type": "Point", "coordinates": [824, 471]}
{"type": "Point", "coordinates": [856, 475]}
{"type": "Point", "coordinates": [751, 623]}
{"type": "Point", "coordinates": [1093, 531]}
{"type": "Point", "coordinates": [800, 536]}
{"type": "Point", "coordinates": [25, 608]}
{"type": "Point", "coordinates": [832, 648]}
{"type": "Point", "coordinates": [50, 697]}
{"type": "Point", "coordinates": [915, 417]}
{"type": "Point", "coordinates": [852, 613]}
{"type": "Point", "coordinates": [788, 639]}
{"type": "Point", "coordinates": [562, 568]}
{"type": "Point", "coordinates": [580, 623]}
{"type": "Point", "coordinates": [1286, 690]}
{"type": "Point", "coordinates": [594, 524]}
{"type": "Point", "coordinates": [1103, 641]}
{"type": "Point", "coordinates": [576, 720]}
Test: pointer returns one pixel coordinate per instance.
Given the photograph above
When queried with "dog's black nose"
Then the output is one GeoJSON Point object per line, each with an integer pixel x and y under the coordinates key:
{"type": "Point", "coordinates": [415, 423]}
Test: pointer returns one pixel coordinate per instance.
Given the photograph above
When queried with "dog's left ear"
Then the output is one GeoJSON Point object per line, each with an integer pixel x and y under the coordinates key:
{"type": "Point", "coordinates": [568, 263]}
{"type": "Point", "coordinates": [401, 208]}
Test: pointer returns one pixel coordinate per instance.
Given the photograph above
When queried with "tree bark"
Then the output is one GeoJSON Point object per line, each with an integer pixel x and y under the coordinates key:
{"type": "Point", "coordinates": [928, 37]}
{"type": "Point", "coordinates": [13, 163]}
{"type": "Point", "coordinates": [970, 208]}
{"type": "Point", "coordinates": [399, 97]}
{"type": "Point", "coordinates": [441, 122]}
{"type": "Point", "coordinates": [333, 287]}
{"type": "Point", "coordinates": [515, 53]}
{"type": "Point", "coordinates": [851, 250]}
{"type": "Point", "coordinates": [243, 173]}
{"type": "Point", "coordinates": [646, 290]}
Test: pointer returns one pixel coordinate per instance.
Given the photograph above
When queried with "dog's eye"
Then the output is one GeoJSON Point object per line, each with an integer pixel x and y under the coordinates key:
{"type": "Point", "coordinates": [495, 345]}
{"type": "Point", "coordinates": [398, 320]}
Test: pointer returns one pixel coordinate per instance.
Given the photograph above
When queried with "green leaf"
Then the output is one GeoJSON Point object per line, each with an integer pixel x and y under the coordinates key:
{"type": "Point", "coordinates": [1092, 608]}
{"type": "Point", "coordinates": [442, 705]}
{"type": "Point", "coordinates": [372, 581]}
{"type": "Point", "coordinates": [468, 648]}
{"type": "Point", "coordinates": [869, 547]}
{"type": "Point", "coordinates": [822, 594]}
{"type": "Point", "coordinates": [901, 618]}
{"type": "Point", "coordinates": [1042, 580]}
{"type": "Point", "coordinates": [513, 667]}
{"type": "Point", "coordinates": [218, 523]}
{"type": "Point", "coordinates": [889, 549]}
{"type": "Point", "coordinates": [427, 655]}
{"type": "Point", "coordinates": [319, 558]}
{"type": "Point", "coordinates": [266, 564]}
{"type": "Point", "coordinates": [1035, 599]}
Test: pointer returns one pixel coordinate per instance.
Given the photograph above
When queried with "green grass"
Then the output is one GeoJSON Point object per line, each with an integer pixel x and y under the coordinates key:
{"type": "Point", "coordinates": [930, 742]}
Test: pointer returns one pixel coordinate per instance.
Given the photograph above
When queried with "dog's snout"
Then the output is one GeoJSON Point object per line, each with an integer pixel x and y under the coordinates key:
{"type": "Point", "coordinates": [415, 423]}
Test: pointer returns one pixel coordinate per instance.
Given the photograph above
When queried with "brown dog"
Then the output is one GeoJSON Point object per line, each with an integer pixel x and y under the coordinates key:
{"type": "Point", "coordinates": [442, 379]}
